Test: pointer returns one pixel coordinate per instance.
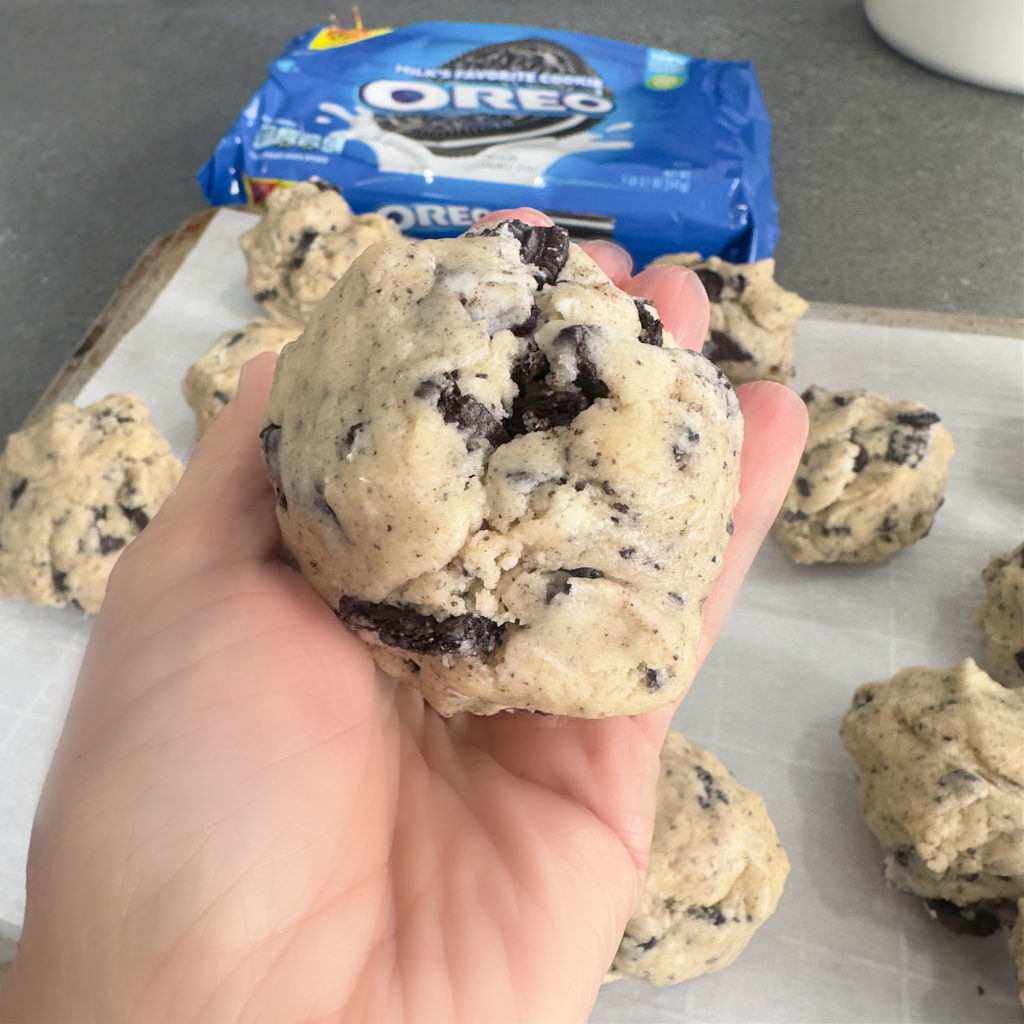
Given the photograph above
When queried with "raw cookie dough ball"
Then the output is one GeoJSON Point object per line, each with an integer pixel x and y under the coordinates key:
{"type": "Point", "coordinates": [715, 875]}
{"type": "Point", "coordinates": [305, 240]}
{"type": "Point", "coordinates": [871, 478]}
{"type": "Point", "coordinates": [500, 470]}
{"type": "Point", "coordinates": [212, 380]}
{"type": "Point", "coordinates": [940, 764]}
{"type": "Point", "coordinates": [79, 486]}
{"type": "Point", "coordinates": [1001, 617]}
{"type": "Point", "coordinates": [753, 320]}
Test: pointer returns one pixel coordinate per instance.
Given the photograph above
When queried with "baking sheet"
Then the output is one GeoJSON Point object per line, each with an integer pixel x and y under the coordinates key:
{"type": "Point", "coordinates": [841, 947]}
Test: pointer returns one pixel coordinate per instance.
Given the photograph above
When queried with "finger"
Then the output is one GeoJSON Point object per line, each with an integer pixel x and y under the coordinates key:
{"type": "Point", "coordinates": [681, 301]}
{"type": "Point", "coordinates": [774, 434]}
{"type": "Point", "coordinates": [676, 292]}
{"type": "Point", "coordinates": [611, 258]}
{"type": "Point", "coordinates": [527, 214]}
{"type": "Point", "coordinates": [222, 509]}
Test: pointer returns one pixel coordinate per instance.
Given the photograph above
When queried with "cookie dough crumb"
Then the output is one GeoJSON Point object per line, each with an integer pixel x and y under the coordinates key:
{"type": "Point", "coordinates": [306, 238]}
{"type": "Point", "coordinates": [871, 478]}
{"type": "Point", "coordinates": [940, 767]}
{"type": "Point", "coordinates": [753, 320]}
{"type": "Point", "coordinates": [501, 471]}
{"type": "Point", "coordinates": [74, 490]}
{"type": "Point", "coordinates": [715, 875]}
{"type": "Point", "coordinates": [1001, 617]}
{"type": "Point", "coordinates": [212, 380]}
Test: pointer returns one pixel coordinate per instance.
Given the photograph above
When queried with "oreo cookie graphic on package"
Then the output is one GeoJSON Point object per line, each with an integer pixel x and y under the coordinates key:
{"type": "Point", "coordinates": [519, 60]}
{"type": "Point", "coordinates": [435, 124]}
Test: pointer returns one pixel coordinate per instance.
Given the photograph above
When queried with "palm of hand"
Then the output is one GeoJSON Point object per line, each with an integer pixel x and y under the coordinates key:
{"type": "Point", "coordinates": [301, 839]}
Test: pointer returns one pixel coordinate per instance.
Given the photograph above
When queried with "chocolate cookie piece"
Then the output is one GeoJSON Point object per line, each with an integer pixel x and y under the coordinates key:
{"type": "Point", "coordinates": [871, 478]}
{"type": "Point", "coordinates": [1001, 617]}
{"type": "Point", "coordinates": [979, 919]}
{"type": "Point", "coordinates": [212, 380]}
{"type": "Point", "coordinates": [715, 875]}
{"type": "Point", "coordinates": [525, 63]}
{"type": "Point", "coordinates": [753, 320]}
{"type": "Point", "coordinates": [79, 486]}
{"type": "Point", "coordinates": [306, 238]}
{"type": "Point", "coordinates": [940, 765]}
{"type": "Point", "coordinates": [489, 471]}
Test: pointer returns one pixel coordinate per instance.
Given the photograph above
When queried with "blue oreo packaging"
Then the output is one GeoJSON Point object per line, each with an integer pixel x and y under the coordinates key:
{"type": "Point", "coordinates": [437, 123]}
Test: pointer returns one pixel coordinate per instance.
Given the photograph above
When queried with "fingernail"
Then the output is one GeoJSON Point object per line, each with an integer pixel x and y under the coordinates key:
{"type": "Point", "coordinates": [681, 299]}
{"type": "Point", "coordinates": [618, 262]}
{"type": "Point", "coordinates": [693, 286]}
{"type": "Point", "coordinates": [524, 213]}
{"type": "Point", "coordinates": [245, 372]}
{"type": "Point", "coordinates": [695, 296]}
{"type": "Point", "coordinates": [246, 376]}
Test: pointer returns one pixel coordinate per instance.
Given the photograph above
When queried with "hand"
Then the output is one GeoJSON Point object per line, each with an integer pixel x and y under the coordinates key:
{"type": "Point", "coordinates": [244, 821]}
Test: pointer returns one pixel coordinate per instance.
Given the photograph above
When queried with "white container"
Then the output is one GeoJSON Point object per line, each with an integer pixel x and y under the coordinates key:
{"type": "Point", "coordinates": [979, 41]}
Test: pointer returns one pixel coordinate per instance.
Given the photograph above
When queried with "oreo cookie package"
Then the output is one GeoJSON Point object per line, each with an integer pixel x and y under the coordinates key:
{"type": "Point", "coordinates": [435, 124]}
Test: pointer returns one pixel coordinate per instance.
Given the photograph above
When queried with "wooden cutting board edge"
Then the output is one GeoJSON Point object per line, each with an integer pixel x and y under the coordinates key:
{"type": "Point", "coordinates": [156, 266]}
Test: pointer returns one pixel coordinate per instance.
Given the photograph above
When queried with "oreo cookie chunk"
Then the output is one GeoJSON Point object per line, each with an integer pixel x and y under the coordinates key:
{"type": "Point", "coordinates": [529, 64]}
{"type": "Point", "coordinates": [306, 238]}
{"type": "Point", "coordinates": [502, 472]}
{"type": "Point", "coordinates": [212, 380]}
{"type": "Point", "coordinates": [1001, 617]}
{"type": "Point", "coordinates": [871, 478]}
{"type": "Point", "coordinates": [940, 766]}
{"type": "Point", "coordinates": [753, 320]}
{"type": "Point", "coordinates": [715, 875]}
{"type": "Point", "coordinates": [74, 490]}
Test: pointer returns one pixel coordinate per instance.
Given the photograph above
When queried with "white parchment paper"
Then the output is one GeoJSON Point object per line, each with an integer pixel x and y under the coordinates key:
{"type": "Point", "coordinates": [841, 947]}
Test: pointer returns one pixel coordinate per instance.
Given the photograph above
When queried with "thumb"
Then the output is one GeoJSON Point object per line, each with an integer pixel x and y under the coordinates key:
{"type": "Point", "coordinates": [221, 512]}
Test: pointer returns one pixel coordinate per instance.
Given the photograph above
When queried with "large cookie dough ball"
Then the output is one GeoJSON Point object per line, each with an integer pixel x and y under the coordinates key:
{"type": "Point", "coordinates": [871, 478]}
{"type": "Point", "coordinates": [500, 471]}
{"type": "Point", "coordinates": [78, 487]}
{"type": "Point", "coordinates": [940, 764]}
{"type": "Point", "coordinates": [715, 875]}
{"type": "Point", "coordinates": [212, 380]}
{"type": "Point", "coordinates": [753, 320]}
{"type": "Point", "coordinates": [306, 238]}
{"type": "Point", "coordinates": [1001, 617]}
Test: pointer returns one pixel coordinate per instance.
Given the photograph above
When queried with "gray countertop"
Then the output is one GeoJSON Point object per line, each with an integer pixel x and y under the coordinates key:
{"type": "Point", "coordinates": [897, 187]}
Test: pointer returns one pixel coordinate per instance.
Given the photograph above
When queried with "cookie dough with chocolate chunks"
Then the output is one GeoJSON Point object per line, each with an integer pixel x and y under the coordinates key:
{"type": "Point", "coordinates": [1001, 617]}
{"type": "Point", "coordinates": [715, 875]}
{"type": "Point", "coordinates": [306, 238]}
{"type": "Point", "coordinates": [501, 471]}
{"type": "Point", "coordinates": [940, 765]}
{"type": "Point", "coordinates": [753, 320]}
{"type": "Point", "coordinates": [212, 380]}
{"type": "Point", "coordinates": [871, 478]}
{"type": "Point", "coordinates": [76, 488]}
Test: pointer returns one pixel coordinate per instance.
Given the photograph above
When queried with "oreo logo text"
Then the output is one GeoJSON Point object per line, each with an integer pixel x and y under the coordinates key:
{"type": "Point", "coordinates": [405, 97]}
{"type": "Point", "coordinates": [432, 215]}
